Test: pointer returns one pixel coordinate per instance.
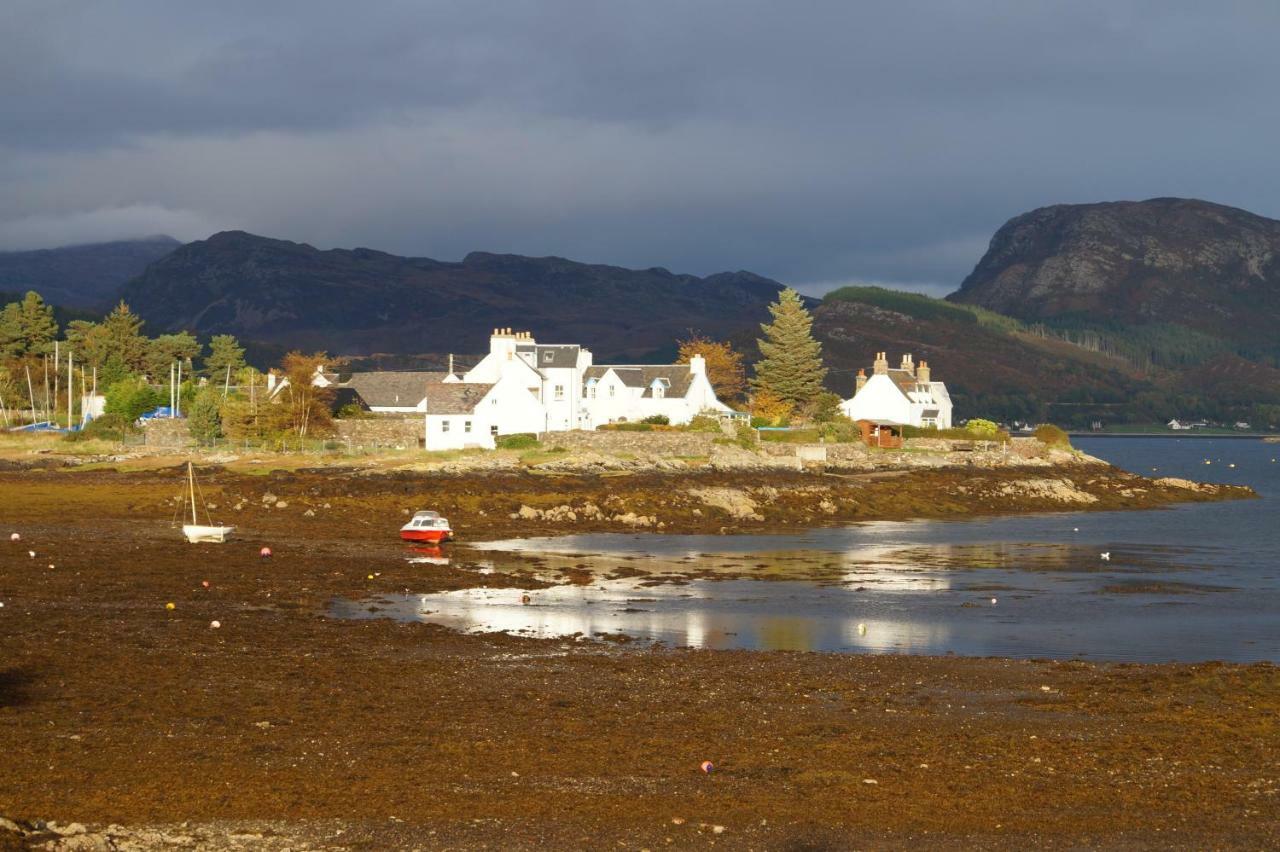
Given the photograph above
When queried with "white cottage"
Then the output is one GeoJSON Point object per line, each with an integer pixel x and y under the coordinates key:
{"type": "Point", "coordinates": [461, 415]}
{"type": "Point", "coordinates": [522, 386]}
{"type": "Point", "coordinates": [623, 393]}
{"type": "Point", "coordinates": [907, 396]}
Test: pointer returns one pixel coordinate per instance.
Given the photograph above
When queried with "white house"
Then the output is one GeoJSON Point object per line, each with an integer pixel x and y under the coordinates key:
{"type": "Point", "coordinates": [523, 386]}
{"type": "Point", "coordinates": [907, 396]}
{"type": "Point", "coordinates": [622, 393]}
{"type": "Point", "coordinates": [459, 415]}
{"type": "Point", "coordinates": [577, 394]}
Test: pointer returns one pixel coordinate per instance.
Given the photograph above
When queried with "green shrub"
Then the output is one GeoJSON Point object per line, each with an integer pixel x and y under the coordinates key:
{"type": "Point", "coordinates": [627, 427]}
{"type": "Point", "coordinates": [204, 419]}
{"type": "Point", "coordinates": [980, 428]}
{"type": "Point", "coordinates": [657, 420]}
{"type": "Point", "coordinates": [1052, 435]}
{"type": "Point", "coordinates": [703, 423]}
{"type": "Point", "coordinates": [353, 411]}
{"type": "Point", "coordinates": [518, 441]}
{"type": "Point", "coordinates": [826, 407]}
{"type": "Point", "coordinates": [841, 430]}
{"type": "Point", "coordinates": [108, 427]}
{"type": "Point", "coordinates": [793, 436]}
{"type": "Point", "coordinates": [955, 434]}
{"type": "Point", "coordinates": [131, 398]}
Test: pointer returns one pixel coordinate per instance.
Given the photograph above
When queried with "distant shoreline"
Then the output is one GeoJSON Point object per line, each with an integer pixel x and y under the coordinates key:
{"type": "Point", "coordinates": [1243, 436]}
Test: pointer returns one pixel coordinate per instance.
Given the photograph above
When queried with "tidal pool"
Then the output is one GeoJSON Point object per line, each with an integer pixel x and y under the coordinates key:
{"type": "Point", "coordinates": [1197, 582]}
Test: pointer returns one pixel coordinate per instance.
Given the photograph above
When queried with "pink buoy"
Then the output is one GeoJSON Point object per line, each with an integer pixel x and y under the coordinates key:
{"type": "Point", "coordinates": [707, 766]}
{"type": "Point", "coordinates": [204, 583]}
{"type": "Point", "coordinates": [265, 553]}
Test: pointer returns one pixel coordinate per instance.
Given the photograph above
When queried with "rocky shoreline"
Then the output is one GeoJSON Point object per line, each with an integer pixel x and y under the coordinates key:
{"type": "Point", "coordinates": [124, 709]}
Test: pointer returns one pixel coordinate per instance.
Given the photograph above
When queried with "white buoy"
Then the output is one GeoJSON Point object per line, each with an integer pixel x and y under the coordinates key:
{"type": "Point", "coordinates": [1075, 529]}
{"type": "Point", "coordinates": [993, 601]}
{"type": "Point", "coordinates": [16, 537]}
{"type": "Point", "coordinates": [215, 624]}
{"type": "Point", "coordinates": [31, 553]}
{"type": "Point", "coordinates": [1106, 557]}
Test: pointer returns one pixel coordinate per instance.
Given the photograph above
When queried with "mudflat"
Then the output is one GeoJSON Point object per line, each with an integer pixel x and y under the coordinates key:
{"type": "Point", "coordinates": [284, 727]}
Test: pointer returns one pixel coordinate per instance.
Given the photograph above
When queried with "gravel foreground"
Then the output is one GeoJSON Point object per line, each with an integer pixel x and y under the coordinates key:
{"type": "Point", "coordinates": [282, 728]}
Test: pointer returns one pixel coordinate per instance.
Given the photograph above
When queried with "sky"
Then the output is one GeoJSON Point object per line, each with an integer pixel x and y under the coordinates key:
{"type": "Point", "coordinates": [818, 143]}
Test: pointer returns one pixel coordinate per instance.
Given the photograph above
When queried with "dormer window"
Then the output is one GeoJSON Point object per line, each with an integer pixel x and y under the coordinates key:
{"type": "Point", "coordinates": [660, 388]}
{"type": "Point", "coordinates": [591, 388]}
{"type": "Point", "coordinates": [548, 357]}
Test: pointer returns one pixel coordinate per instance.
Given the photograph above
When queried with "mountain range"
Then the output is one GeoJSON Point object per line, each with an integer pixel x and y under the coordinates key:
{"type": "Point", "coordinates": [83, 276]}
{"type": "Point", "coordinates": [1122, 311]}
{"type": "Point", "coordinates": [362, 302]}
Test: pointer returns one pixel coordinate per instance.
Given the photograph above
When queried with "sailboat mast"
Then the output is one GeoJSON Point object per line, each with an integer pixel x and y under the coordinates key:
{"type": "Point", "coordinates": [191, 475]}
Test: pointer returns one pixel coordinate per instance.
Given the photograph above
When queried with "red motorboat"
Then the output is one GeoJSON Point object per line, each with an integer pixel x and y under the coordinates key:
{"type": "Point", "coordinates": [427, 527]}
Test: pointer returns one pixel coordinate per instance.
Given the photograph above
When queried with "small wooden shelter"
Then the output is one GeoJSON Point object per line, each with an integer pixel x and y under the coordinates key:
{"type": "Point", "coordinates": [881, 433]}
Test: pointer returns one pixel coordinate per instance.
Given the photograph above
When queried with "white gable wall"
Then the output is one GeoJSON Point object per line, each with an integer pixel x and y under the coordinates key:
{"type": "Point", "coordinates": [882, 399]}
{"type": "Point", "coordinates": [507, 409]}
{"type": "Point", "coordinates": [879, 399]}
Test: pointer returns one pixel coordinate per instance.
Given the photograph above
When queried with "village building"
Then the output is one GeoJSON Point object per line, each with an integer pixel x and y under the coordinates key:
{"type": "Point", "coordinates": [905, 396]}
{"type": "Point", "coordinates": [522, 386]}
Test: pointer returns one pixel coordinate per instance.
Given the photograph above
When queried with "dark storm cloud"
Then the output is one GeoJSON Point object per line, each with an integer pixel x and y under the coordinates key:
{"type": "Point", "coordinates": [817, 142]}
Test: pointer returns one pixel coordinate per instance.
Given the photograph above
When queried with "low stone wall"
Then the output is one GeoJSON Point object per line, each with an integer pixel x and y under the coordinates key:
{"type": "Point", "coordinates": [635, 443]}
{"type": "Point", "coordinates": [814, 453]}
{"type": "Point", "coordinates": [399, 433]}
{"type": "Point", "coordinates": [167, 432]}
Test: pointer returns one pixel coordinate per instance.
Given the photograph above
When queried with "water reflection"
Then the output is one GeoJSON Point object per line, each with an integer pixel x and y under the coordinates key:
{"type": "Point", "coordinates": [1195, 583]}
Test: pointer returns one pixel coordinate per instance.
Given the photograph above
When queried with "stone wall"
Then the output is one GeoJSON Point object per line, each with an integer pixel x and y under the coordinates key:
{"type": "Point", "coordinates": [166, 432]}
{"type": "Point", "coordinates": [401, 433]}
{"type": "Point", "coordinates": [635, 443]}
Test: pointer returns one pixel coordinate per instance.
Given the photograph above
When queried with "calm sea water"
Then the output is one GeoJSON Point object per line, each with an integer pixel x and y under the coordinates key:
{"type": "Point", "coordinates": [1195, 582]}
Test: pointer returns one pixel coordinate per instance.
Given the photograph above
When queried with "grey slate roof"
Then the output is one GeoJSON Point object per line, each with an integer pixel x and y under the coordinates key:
{"type": "Point", "coordinates": [551, 357]}
{"type": "Point", "coordinates": [678, 376]}
{"type": "Point", "coordinates": [455, 397]}
{"type": "Point", "coordinates": [393, 389]}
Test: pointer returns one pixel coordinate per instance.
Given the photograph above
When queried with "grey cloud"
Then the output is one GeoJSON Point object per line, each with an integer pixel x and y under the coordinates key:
{"type": "Point", "coordinates": [816, 142]}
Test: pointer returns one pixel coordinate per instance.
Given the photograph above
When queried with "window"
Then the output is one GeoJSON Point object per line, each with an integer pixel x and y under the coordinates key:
{"type": "Point", "coordinates": [548, 357]}
{"type": "Point", "coordinates": [591, 389]}
{"type": "Point", "coordinates": [659, 391]}
{"type": "Point", "coordinates": [493, 401]}
{"type": "Point", "coordinates": [612, 388]}
{"type": "Point", "coordinates": [444, 425]}
{"type": "Point", "coordinates": [493, 430]}
{"type": "Point", "coordinates": [466, 426]}
{"type": "Point", "coordinates": [559, 392]}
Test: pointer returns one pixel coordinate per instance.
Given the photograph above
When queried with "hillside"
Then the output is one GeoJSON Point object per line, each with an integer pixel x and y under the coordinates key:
{"type": "Point", "coordinates": [1158, 266]}
{"type": "Point", "coordinates": [991, 366]}
{"type": "Point", "coordinates": [84, 276]}
{"type": "Point", "coordinates": [362, 301]}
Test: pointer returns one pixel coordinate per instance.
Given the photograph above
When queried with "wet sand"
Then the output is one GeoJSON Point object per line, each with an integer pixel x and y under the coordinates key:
{"type": "Point", "coordinates": [309, 731]}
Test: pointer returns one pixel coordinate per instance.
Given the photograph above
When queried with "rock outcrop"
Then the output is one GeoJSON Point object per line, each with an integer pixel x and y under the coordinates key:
{"type": "Point", "coordinates": [1204, 266]}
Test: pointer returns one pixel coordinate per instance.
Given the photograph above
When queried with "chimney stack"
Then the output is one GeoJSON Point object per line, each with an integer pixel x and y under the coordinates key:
{"type": "Point", "coordinates": [907, 364]}
{"type": "Point", "coordinates": [859, 381]}
{"type": "Point", "coordinates": [922, 373]}
{"type": "Point", "coordinates": [881, 367]}
{"type": "Point", "coordinates": [698, 365]}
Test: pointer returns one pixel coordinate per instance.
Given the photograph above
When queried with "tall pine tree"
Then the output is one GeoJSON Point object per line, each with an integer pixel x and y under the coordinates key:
{"type": "Point", "coordinates": [791, 366]}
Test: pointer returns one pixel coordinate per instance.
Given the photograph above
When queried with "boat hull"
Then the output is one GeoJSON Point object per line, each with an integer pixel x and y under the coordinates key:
{"type": "Point", "coordinates": [197, 534]}
{"type": "Point", "coordinates": [429, 536]}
